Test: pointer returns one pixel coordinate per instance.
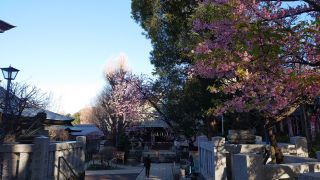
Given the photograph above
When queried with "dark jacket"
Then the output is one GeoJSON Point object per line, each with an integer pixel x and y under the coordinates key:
{"type": "Point", "coordinates": [147, 162]}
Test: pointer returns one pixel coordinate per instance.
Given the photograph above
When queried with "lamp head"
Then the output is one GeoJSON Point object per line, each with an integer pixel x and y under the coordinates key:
{"type": "Point", "coordinates": [9, 73]}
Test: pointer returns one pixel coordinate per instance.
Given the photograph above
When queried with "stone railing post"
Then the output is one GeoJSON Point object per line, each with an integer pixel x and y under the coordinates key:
{"type": "Point", "coordinates": [258, 139]}
{"type": "Point", "coordinates": [219, 157]}
{"type": "Point", "coordinates": [8, 160]}
{"type": "Point", "coordinates": [23, 162]}
{"type": "Point", "coordinates": [301, 145]}
{"type": "Point", "coordinates": [40, 157]}
{"type": "Point", "coordinates": [201, 152]}
{"type": "Point", "coordinates": [82, 157]}
{"type": "Point", "coordinates": [201, 139]}
{"type": "Point", "coordinates": [247, 166]}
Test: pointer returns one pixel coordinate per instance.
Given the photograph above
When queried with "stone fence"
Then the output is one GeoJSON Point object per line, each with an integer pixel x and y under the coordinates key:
{"type": "Point", "coordinates": [220, 160]}
{"type": "Point", "coordinates": [212, 161]}
{"type": "Point", "coordinates": [42, 160]}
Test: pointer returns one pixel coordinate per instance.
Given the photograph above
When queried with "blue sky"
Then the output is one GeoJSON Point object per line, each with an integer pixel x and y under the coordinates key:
{"type": "Point", "coordinates": [61, 46]}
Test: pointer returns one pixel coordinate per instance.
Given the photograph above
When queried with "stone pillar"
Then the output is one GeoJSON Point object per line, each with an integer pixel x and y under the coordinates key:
{"type": "Point", "coordinates": [301, 145]}
{"type": "Point", "coordinates": [23, 163]}
{"type": "Point", "coordinates": [258, 139]}
{"type": "Point", "coordinates": [201, 151]}
{"type": "Point", "coordinates": [201, 139]}
{"type": "Point", "coordinates": [218, 142]}
{"type": "Point", "coordinates": [9, 160]}
{"type": "Point", "coordinates": [247, 166]}
{"type": "Point", "coordinates": [201, 157]}
{"type": "Point", "coordinates": [82, 158]}
{"type": "Point", "coordinates": [40, 158]}
{"type": "Point", "coordinates": [57, 171]}
{"type": "Point", "coordinates": [219, 158]}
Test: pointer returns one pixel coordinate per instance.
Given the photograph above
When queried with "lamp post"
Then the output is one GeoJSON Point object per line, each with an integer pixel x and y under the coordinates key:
{"type": "Point", "coordinates": [9, 74]}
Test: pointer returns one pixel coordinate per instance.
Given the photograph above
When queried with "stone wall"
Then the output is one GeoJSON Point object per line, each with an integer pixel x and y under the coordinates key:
{"type": "Point", "coordinates": [290, 170]}
{"type": "Point", "coordinates": [220, 160]}
{"type": "Point", "coordinates": [309, 176]}
{"type": "Point", "coordinates": [41, 159]}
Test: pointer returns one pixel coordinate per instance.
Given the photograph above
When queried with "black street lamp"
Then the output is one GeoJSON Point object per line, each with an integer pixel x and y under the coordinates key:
{"type": "Point", "coordinates": [9, 74]}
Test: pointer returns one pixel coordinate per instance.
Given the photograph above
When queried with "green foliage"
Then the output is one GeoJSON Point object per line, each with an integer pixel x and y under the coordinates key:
{"type": "Point", "coordinates": [313, 152]}
{"type": "Point", "coordinates": [167, 25]}
{"type": "Point", "coordinates": [76, 117]}
{"type": "Point", "coordinates": [245, 121]}
{"type": "Point", "coordinates": [189, 112]}
{"type": "Point", "coordinates": [283, 139]}
{"type": "Point", "coordinates": [124, 143]}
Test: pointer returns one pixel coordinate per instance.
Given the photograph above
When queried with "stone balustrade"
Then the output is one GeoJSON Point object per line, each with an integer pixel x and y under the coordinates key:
{"type": "Point", "coordinates": [212, 159]}
{"type": "Point", "coordinates": [220, 160]}
{"type": "Point", "coordinates": [249, 166]}
{"type": "Point", "coordinates": [309, 176]}
{"type": "Point", "coordinates": [289, 170]}
{"type": "Point", "coordinates": [41, 159]}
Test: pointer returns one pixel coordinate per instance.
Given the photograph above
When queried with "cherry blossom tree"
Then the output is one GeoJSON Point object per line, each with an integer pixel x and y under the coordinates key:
{"type": "Point", "coordinates": [266, 55]}
{"type": "Point", "coordinates": [120, 104]}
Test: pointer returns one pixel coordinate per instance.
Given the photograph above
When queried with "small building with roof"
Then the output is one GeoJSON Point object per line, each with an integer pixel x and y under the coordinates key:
{"type": "Point", "coordinates": [52, 117]}
{"type": "Point", "coordinates": [154, 133]}
{"type": "Point", "coordinates": [91, 131]}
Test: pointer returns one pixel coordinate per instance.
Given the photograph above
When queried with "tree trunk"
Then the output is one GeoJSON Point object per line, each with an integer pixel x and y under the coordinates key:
{"type": "Point", "coordinates": [307, 129]}
{"type": "Point", "coordinates": [113, 138]}
{"type": "Point", "coordinates": [275, 151]}
{"type": "Point", "coordinates": [209, 128]}
{"type": "Point", "coordinates": [212, 128]}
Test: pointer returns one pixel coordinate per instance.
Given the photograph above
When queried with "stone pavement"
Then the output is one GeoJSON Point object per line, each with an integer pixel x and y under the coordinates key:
{"type": "Point", "coordinates": [124, 172]}
{"type": "Point", "coordinates": [112, 177]}
{"type": "Point", "coordinates": [158, 171]}
{"type": "Point", "coordinates": [121, 169]}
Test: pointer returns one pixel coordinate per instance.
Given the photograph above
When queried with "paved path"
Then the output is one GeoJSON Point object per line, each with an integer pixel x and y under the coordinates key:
{"type": "Point", "coordinates": [112, 177]}
{"type": "Point", "coordinates": [124, 173]}
{"type": "Point", "coordinates": [158, 171]}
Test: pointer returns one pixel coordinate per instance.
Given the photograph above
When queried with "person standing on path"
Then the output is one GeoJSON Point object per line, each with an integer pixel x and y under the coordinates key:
{"type": "Point", "coordinates": [147, 165]}
{"type": "Point", "coordinates": [191, 165]}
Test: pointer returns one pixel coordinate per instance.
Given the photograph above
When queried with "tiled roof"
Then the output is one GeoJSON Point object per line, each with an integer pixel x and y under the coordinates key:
{"type": "Point", "coordinates": [154, 123]}
{"type": "Point", "coordinates": [86, 130]}
{"type": "Point", "coordinates": [31, 112]}
{"type": "Point", "coordinates": [5, 26]}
